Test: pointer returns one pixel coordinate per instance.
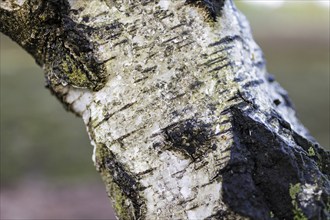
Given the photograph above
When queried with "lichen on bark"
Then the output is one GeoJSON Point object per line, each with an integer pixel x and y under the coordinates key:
{"type": "Point", "coordinates": [184, 118]}
{"type": "Point", "coordinates": [46, 30]}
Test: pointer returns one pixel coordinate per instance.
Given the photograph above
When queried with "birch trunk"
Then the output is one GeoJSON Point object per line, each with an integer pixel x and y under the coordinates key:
{"type": "Point", "coordinates": [185, 121]}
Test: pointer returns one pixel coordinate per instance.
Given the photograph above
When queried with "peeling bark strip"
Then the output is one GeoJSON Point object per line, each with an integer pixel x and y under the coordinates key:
{"type": "Point", "coordinates": [185, 121]}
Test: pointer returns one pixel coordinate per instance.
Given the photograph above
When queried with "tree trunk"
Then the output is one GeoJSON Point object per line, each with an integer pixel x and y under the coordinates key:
{"type": "Point", "coordinates": [185, 121]}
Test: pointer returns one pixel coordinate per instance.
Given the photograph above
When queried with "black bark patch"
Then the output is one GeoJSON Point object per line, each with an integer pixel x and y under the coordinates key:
{"type": "Point", "coordinates": [127, 182]}
{"type": "Point", "coordinates": [211, 8]}
{"type": "Point", "coordinates": [121, 177]}
{"type": "Point", "coordinates": [221, 214]}
{"type": "Point", "coordinates": [262, 168]}
{"type": "Point", "coordinates": [57, 42]}
{"type": "Point", "coordinates": [277, 102]}
{"type": "Point", "coordinates": [73, 59]}
{"type": "Point", "coordinates": [191, 137]}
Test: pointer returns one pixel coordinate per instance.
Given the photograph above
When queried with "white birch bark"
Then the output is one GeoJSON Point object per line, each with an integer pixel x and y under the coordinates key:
{"type": "Point", "coordinates": [185, 121]}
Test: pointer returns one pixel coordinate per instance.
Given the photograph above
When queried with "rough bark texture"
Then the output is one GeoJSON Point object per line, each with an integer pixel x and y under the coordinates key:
{"type": "Point", "coordinates": [185, 121]}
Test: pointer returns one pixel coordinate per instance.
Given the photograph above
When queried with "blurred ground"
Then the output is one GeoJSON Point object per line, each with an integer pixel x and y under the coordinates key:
{"type": "Point", "coordinates": [46, 167]}
{"type": "Point", "coordinates": [39, 200]}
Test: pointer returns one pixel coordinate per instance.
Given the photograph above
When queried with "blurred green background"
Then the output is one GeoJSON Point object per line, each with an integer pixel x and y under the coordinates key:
{"type": "Point", "coordinates": [46, 148]}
